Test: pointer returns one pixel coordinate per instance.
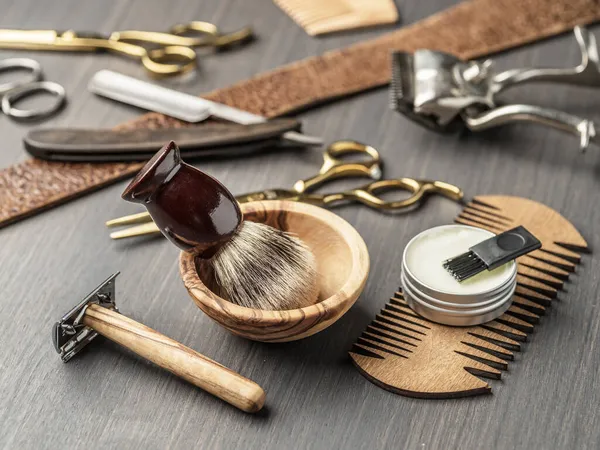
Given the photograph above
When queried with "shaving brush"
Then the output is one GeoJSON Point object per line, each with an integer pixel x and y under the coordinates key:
{"type": "Point", "coordinates": [254, 265]}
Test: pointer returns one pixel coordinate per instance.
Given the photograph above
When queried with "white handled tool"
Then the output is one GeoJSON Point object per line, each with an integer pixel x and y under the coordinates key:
{"type": "Point", "coordinates": [177, 104]}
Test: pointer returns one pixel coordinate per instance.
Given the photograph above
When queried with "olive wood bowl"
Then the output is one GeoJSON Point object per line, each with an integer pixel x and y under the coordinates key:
{"type": "Point", "coordinates": [343, 267]}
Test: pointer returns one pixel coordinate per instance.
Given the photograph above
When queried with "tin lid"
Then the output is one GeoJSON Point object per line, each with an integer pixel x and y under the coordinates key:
{"type": "Point", "coordinates": [457, 320]}
{"type": "Point", "coordinates": [490, 288]}
{"type": "Point", "coordinates": [487, 301]}
{"type": "Point", "coordinates": [457, 317]}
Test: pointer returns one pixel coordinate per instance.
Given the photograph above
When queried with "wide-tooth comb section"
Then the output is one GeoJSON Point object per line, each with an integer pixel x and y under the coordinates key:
{"type": "Point", "coordinates": [562, 253]}
{"type": "Point", "coordinates": [529, 305]}
{"type": "Point", "coordinates": [490, 214]}
{"type": "Point", "coordinates": [543, 278]}
{"type": "Point", "coordinates": [489, 347]}
{"type": "Point", "coordinates": [534, 296]}
{"type": "Point", "coordinates": [388, 343]}
{"type": "Point", "coordinates": [388, 334]}
{"type": "Point", "coordinates": [483, 218]}
{"type": "Point", "coordinates": [536, 286]}
{"type": "Point", "coordinates": [542, 267]}
{"type": "Point", "coordinates": [515, 323]}
{"type": "Point", "coordinates": [381, 347]}
{"type": "Point", "coordinates": [483, 357]}
{"type": "Point", "coordinates": [505, 330]}
{"type": "Point", "coordinates": [480, 369]}
{"type": "Point", "coordinates": [486, 225]}
{"type": "Point", "coordinates": [413, 356]}
{"type": "Point", "coordinates": [552, 260]}
{"type": "Point", "coordinates": [495, 338]}
{"type": "Point", "coordinates": [523, 314]}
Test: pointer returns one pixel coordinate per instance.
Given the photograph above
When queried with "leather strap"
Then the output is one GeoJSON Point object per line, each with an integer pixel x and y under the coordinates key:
{"type": "Point", "coordinates": [469, 30]}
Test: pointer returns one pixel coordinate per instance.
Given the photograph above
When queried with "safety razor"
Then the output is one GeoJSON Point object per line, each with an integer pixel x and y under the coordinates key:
{"type": "Point", "coordinates": [97, 314]}
{"type": "Point", "coordinates": [444, 93]}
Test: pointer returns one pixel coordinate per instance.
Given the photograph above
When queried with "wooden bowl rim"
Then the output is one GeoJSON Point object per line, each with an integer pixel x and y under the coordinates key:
{"type": "Point", "coordinates": [352, 287]}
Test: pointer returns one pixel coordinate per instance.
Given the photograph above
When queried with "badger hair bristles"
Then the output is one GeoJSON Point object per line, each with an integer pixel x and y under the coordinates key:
{"type": "Point", "coordinates": [265, 268]}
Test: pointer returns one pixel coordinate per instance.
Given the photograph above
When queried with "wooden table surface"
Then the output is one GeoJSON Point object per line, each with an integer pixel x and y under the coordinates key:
{"type": "Point", "coordinates": [109, 398]}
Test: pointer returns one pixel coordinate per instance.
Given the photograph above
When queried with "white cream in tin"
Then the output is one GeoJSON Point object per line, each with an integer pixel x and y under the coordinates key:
{"type": "Point", "coordinates": [427, 252]}
{"type": "Point", "coordinates": [432, 292]}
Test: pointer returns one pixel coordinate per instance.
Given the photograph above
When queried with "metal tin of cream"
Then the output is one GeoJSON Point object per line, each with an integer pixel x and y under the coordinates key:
{"type": "Point", "coordinates": [436, 295]}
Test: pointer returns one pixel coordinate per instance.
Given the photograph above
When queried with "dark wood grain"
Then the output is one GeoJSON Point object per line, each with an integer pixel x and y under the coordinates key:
{"type": "Point", "coordinates": [109, 398]}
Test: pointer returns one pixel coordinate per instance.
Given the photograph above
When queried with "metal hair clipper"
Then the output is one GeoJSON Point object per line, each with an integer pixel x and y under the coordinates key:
{"type": "Point", "coordinates": [97, 314]}
{"type": "Point", "coordinates": [444, 93]}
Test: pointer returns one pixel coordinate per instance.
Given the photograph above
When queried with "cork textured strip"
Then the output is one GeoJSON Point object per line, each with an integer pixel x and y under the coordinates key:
{"type": "Point", "coordinates": [471, 29]}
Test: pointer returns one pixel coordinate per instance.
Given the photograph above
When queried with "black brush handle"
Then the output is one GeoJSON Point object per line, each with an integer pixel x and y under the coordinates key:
{"type": "Point", "coordinates": [505, 247]}
{"type": "Point", "coordinates": [100, 145]}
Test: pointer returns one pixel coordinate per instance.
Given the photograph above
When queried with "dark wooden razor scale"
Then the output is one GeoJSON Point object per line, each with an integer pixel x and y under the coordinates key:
{"type": "Point", "coordinates": [404, 353]}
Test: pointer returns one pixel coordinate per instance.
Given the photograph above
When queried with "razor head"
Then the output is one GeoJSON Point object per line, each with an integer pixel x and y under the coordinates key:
{"type": "Point", "coordinates": [433, 88]}
{"type": "Point", "coordinates": [69, 334]}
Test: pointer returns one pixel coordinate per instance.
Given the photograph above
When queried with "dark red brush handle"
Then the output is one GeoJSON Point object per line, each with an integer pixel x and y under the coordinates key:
{"type": "Point", "coordinates": [193, 210]}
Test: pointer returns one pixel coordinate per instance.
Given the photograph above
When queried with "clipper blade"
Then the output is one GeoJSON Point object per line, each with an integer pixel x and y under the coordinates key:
{"type": "Point", "coordinates": [401, 84]}
{"type": "Point", "coordinates": [404, 90]}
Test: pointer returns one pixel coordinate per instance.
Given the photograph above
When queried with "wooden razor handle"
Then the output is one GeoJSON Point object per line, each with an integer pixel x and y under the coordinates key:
{"type": "Point", "coordinates": [176, 358]}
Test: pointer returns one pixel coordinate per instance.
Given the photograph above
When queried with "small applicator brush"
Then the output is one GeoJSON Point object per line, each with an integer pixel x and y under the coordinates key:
{"type": "Point", "coordinates": [254, 265]}
{"type": "Point", "coordinates": [492, 253]}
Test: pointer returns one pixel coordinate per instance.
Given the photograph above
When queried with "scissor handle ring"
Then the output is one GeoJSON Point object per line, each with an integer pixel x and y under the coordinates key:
{"type": "Point", "coordinates": [334, 168]}
{"type": "Point", "coordinates": [18, 93]}
{"type": "Point", "coordinates": [197, 26]}
{"type": "Point", "coordinates": [213, 37]}
{"type": "Point", "coordinates": [34, 67]}
{"type": "Point", "coordinates": [152, 60]}
{"type": "Point", "coordinates": [340, 148]}
{"type": "Point", "coordinates": [417, 188]}
{"type": "Point", "coordinates": [208, 31]}
{"type": "Point", "coordinates": [369, 194]}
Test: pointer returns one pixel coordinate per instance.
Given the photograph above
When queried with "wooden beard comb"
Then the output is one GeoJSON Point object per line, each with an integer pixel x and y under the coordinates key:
{"type": "Point", "coordinates": [406, 354]}
{"type": "Point", "coordinates": [328, 16]}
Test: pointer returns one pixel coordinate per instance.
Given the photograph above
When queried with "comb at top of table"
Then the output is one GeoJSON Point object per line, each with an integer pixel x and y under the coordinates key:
{"type": "Point", "coordinates": [328, 16]}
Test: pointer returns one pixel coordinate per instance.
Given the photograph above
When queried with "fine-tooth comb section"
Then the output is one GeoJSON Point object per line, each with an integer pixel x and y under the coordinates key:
{"type": "Point", "coordinates": [409, 355]}
{"type": "Point", "coordinates": [318, 17]}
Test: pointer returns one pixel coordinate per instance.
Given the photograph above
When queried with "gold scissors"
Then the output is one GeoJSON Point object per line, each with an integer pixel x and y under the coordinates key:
{"type": "Point", "coordinates": [161, 54]}
{"type": "Point", "coordinates": [335, 166]}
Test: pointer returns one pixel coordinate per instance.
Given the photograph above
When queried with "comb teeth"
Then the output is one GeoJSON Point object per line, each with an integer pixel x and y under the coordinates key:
{"type": "Point", "coordinates": [401, 83]}
{"type": "Point", "coordinates": [464, 266]}
{"type": "Point", "coordinates": [318, 17]}
{"type": "Point", "coordinates": [406, 354]}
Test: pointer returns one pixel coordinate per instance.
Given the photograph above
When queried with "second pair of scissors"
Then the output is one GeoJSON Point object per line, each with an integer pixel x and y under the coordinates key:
{"type": "Point", "coordinates": [173, 52]}
{"type": "Point", "coordinates": [335, 166]}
